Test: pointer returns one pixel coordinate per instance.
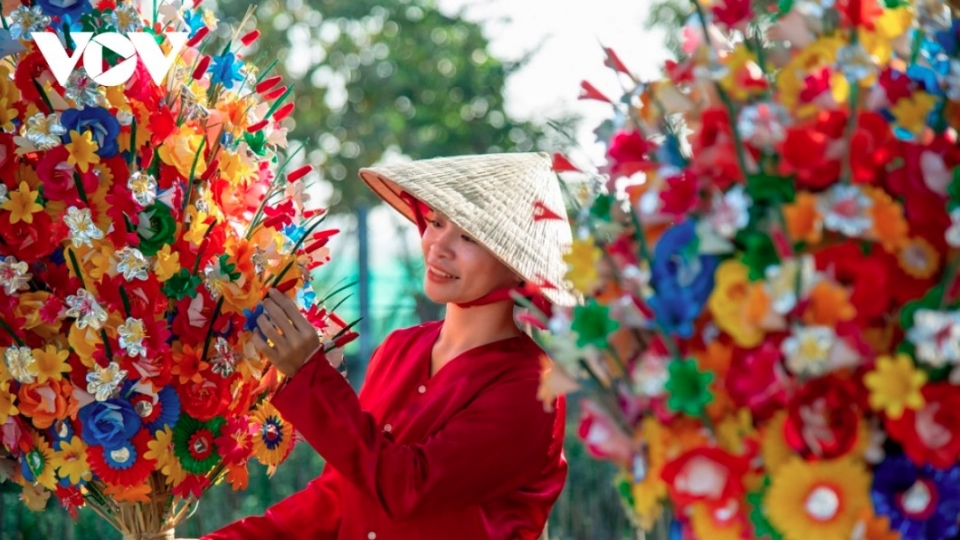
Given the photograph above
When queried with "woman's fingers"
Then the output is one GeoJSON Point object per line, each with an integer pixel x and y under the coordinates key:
{"type": "Point", "coordinates": [290, 309]}
{"type": "Point", "coordinates": [266, 326]}
{"type": "Point", "coordinates": [263, 347]}
{"type": "Point", "coordinates": [278, 316]}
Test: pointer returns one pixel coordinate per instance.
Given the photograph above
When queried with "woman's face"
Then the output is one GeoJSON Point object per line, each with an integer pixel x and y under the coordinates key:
{"type": "Point", "coordinates": [458, 270]}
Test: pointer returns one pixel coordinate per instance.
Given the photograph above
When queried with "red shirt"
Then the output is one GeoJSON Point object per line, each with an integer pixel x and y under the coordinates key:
{"type": "Point", "coordinates": [469, 453]}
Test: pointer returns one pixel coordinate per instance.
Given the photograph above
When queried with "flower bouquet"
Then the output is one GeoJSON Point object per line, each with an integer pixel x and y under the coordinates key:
{"type": "Point", "coordinates": [770, 340]}
{"type": "Point", "coordinates": [141, 224]}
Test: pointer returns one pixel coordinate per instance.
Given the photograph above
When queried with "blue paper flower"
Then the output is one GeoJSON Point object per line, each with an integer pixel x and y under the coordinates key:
{"type": "Point", "coordinates": [923, 503]}
{"type": "Point", "coordinates": [109, 423]}
{"type": "Point", "coordinates": [250, 318]}
{"type": "Point", "coordinates": [61, 430]}
{"type": "Point", "coordinates": [169, 403]}
{"type": "Point", "coordinates": [194, 20]}
{"type": "Point", "coordinates": [682, 278]}
{"type": "Point", "coordinates": [98, 120]}
{"type": "Point", "coordinates": [64, 8]}
{"type": "Point", "coordinates": [225, 70]}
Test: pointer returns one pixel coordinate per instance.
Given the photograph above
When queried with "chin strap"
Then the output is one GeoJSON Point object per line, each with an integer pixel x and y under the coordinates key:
{"type": "Point", "coordinates": [418, 210]}
{"type": "Point", "coordinates": [506, 293]}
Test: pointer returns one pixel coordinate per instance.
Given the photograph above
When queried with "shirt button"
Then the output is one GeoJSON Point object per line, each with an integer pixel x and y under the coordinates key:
{"type": "Point", "coordinates": [422, 389]}
{"type": "Point", "coordinates": [372, 535]}
{"type": "Point", "coordinates": [388, 428]}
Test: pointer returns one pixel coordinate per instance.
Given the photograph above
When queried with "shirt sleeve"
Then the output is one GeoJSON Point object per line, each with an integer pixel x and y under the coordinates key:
{"type": "Point", "coordinates": [312, 513]}
{"type": "Point", "coordinates": [495, 445]}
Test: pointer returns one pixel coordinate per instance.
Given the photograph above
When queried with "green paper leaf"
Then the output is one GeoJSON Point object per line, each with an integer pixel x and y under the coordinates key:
{"type": "Point", "coordinates": [761, 525]}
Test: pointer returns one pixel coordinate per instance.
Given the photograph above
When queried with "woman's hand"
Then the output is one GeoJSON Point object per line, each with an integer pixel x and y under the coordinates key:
{"type": "Point", "coordinates": [292, 336]}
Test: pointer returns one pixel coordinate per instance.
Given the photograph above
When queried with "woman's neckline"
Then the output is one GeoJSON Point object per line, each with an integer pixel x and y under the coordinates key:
{"type": "Point", "coordinates": [435, 335]}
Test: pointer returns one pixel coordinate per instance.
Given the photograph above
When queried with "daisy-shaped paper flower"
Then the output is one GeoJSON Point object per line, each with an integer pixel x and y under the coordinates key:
{"type": "Point", "coordinates": [167, 264]}
{"type": "Point", "coordinates": [125, 18]}
{"type": "Point", "coordinates": [71, 461]}
{"type": "Point", "coordinates": [83, 231]}
{"type": "Point", "coordinates": [123, 465]}
{"type": "Point", "coordinates": [37, 465]}
{"type": "Point", "coordinates": [846, 209]}
{"type": "Point", "coordinates": [895, 385]}
{"type": "Point", "coordinates": [131, 334]}
{"type": "Point", "coordinates": [132, 264]}
{"type": "Point", "coordinates": [22, 204]}
{"type": "Point", "coordinates": [21, 365]}
{"type": "Point", "coordinates": [14, 275]}
{"type": "Point", "coordinates": [592, 324]}
{"type": "Point", "coordinates": [821, 499]}
{"type": "Point", "coordinates": [272, 435]}
{"type": "Point", "coordinates": [160, 450]}
{"type": "Point", "coordinates": [103, 383]}
{"type": "Point", "coordinates": [193, 443]}
{"type": "Point", "coordinates": [86, 310]}
{"type": "Point", "coordinates": [51, 363]}
{"type": "Point", "coordinates": [143, 188]}
{"type": "Point", "coordinates": [911, 111]}
{"type": "Point", "coordinates": [582, 261]}
{"type": "Point", "coordinates": [43, 131]}
{"type": "Point", "coordinates": [688, 388]}
{"type": "Point", "coordinates": [918, 258]}
{"type": "Point", "coordinates": [808, 350]}
{"type": "Point", "coordinates": [921, 502]}
{"type": "Point", "coordinates": [936, 337]}
{"type": "Point", "coordinates": [82, 150]}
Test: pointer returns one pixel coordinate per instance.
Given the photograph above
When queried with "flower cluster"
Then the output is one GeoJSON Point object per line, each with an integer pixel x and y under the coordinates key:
{"type": "Point", "coordinates": [140, 227]}
{"type": "Point", "coordinates": [770, 341]}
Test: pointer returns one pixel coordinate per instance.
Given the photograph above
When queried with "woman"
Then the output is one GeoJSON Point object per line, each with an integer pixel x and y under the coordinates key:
{"type": "Point", "coordinates": [447, 439]}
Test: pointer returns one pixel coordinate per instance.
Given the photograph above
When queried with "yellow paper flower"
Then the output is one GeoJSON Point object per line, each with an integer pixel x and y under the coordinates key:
{"type": "Point", "coordinates": [894, 385]}
{"type": "Point", "coordinates": [167, 264]}
{"type": "Point", "coordinates": [161, 451]}
{"type": "Point", "coordinates": [8, 113]}
{"type": "Point", "coordinates": [820, 499]}
{"type": "Point", "coordinates": [583, 258]}
{"type": "Point", "coordinates": [83, 150]}
{"type": "Point", "coordinates": [22, 204]}
{"type": "Point", "coordinates": [890, 227]}
{"type": "Point", "coordinates": [892, 24]}
{"type": "Point", "coordinates": [911, 112]}
{"type": "Point", "coordinates": [819, 54]}
{"type": "Point", "coordinates": [71, 461]}
{"type": "Point", "coordinates": [180, 148]}
{"type": "Point", "coordinates": [738, 306]}
{"type": "Point", "coordinates": [773, 444]}
{"type": "Point", "coordinates": [7, 407]}
{"type": "Point", "coordinates": [741, 65]}
{"type": "Point", "coordinates": [51, 363]}
{"type": "Point", "coordinates": [236, 167]}
{"type": "Point", "coordinates": [198, 226]}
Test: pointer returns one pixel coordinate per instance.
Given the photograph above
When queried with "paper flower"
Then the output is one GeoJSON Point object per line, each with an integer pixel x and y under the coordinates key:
{"type": "Point", "coordinates": [922, 502]}
{"type": "Point", "coordinates": [84, 307]}
{"type": "Point", "coordinates": [936, 336]}
{"type": "Point", "coordinates": [123, 464]}
{"type": "Point", "coordinates": [688, 387]}
{"type": "Point", "coordinates": [22, 204]}
{"type": "Point", "coordinates": [83, 231]}
{"type": "Point", "coordinates": [104, 383]}
{"type": "Point", "coordinates": [272, 435]}
{"type": "Point", "coordinates": [110, 424]}
{"type": "Point", "coordinates": [821, 499]}
{"type": "Point", "coordinates": [21, 364]}
{"type": "Point", "coordinates": [193, 444]}
{"type": "Point", "coordinates": [71, 461]}
{"type": "Point", "coordinates": [593, 325]}
{"type": "Point", "coordinates": [895, 385]}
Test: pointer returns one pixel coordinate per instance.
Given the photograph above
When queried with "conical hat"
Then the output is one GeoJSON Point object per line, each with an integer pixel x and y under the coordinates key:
{"type": "Point", "coordinates": [509, 203]}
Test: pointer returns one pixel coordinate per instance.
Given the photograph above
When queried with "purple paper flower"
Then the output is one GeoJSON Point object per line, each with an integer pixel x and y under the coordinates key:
{"type": "Point", "coordinates": [923, 503]}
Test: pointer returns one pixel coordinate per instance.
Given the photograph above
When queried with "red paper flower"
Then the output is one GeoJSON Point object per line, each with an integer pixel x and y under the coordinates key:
{"type": "Point", "coordinates": [823, 418]}
{"type": "Point", "coordinates": [868, 147]}
{"type": "Point", "coordinates": [705, 474]}
{"type": "Point", "coordinates": [732, 13]}
{"type": "Point", "coordinates": [931, 434]}
{"type": "Point", "coordinates": [629, 153]}
{"type": "Point", "coordinates": [235, 443]}
{"type": "Point", "coordinates": [123, 466]}
{"type": "Point", "coordinates": [757, 380]}
{"type": "Point", "coordinates": [681, 194]}
{"type": "Point", "coordinates": [205, 399]}
{"type": "Point", "coordinates": [716, 155]}
{"type": "Point", "coordinates": [859, 12]}
{"type": "Point", "coordinates": [808, 151]}
{"type": "Point", "coordinates": [192, 486]}
{"type": "Point", "coordinates": [28, 242]}
{"type": "Point", "coordinates": [868, 276]}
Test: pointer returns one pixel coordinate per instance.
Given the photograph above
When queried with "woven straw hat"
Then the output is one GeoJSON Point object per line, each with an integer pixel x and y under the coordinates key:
{"type": "Point", "coordinates": [509, 203]}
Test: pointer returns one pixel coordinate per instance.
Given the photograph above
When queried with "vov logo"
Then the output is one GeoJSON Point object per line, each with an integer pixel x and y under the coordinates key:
{"type": "Point", "coordinates": [91, 46]}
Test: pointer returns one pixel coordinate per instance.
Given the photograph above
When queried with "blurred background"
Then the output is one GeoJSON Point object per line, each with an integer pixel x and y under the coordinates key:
{"type": "Point", "coordinates": [386, 80]}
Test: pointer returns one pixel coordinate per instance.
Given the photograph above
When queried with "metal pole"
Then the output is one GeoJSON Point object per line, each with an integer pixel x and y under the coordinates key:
{"type": "Point", "coordinates": [365, 278]}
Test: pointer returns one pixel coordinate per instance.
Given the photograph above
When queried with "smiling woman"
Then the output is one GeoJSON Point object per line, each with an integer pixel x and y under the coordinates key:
{"type": "Point", "coordinates": [447, 438]}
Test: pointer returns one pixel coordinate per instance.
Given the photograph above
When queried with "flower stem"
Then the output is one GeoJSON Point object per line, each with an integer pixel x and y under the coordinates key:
{"type": "Point", "coordinates": [10, 331]}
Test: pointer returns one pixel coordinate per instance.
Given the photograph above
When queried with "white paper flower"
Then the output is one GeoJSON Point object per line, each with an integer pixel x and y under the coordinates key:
{"type": "Point", "coordinates": [14, 275]}
{"type": "Point", "coordinates": [84, 307]}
